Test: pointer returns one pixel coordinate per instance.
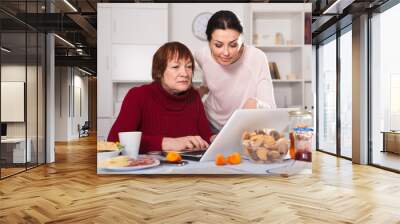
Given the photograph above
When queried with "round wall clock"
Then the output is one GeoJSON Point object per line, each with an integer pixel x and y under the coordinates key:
{"type": "Point", "coordinates": [199, 25]}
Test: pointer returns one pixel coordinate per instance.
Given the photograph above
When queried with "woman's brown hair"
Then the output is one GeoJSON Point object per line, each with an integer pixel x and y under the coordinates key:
{"type": "Point", "coordinates": [167, 52]}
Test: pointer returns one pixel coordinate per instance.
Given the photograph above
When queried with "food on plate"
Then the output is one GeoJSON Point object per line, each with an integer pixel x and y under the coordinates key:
{"type": "Point", "coordinates": [125, 161]}
{"type": "Point", "coordinates": [173, 156]}
{"type": "Point", "coordinates": [220, 160]}
{"type": "Point", "coordinates": [103, 146]}
{"type": "Point", "coordinates": [142, 161]}
{"type": "Point", "coordinates": [234, 158]}
{"type": "Point", "coordinates": [263, 146]}
{"type": "Point", "coordinates": [118, 161]}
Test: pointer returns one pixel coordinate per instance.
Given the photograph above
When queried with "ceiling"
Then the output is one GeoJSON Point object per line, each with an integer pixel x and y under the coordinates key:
{"type": "Point", "coordinates": [76, 23]}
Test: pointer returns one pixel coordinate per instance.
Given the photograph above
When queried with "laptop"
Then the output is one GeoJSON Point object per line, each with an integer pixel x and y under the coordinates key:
{"type": "Point", "coordinates": [229, 140]}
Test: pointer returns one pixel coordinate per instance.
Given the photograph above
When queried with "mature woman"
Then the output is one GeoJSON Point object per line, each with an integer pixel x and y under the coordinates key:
{"type": "Point", "coordinates": [168, 112]}
{"type": "Point", "coordinates": [234, 75]}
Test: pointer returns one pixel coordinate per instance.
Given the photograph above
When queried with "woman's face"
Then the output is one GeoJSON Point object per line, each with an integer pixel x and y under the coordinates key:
{"type": "Point", "coordinates": [177, 76]}
{"type": "Point", "coordinates": [225, 46]}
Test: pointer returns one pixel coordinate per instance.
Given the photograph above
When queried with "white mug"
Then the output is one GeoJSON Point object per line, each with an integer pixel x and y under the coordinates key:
{"type": "Point", "coordinates": [131, 143]}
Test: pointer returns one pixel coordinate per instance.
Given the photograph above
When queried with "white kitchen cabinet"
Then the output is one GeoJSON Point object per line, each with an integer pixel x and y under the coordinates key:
{"type": "Point", "coordinates": [128, 35]}
{"type": "Point", "coordinates": [132, 62]}
{"type": "Point", "coordinates": [138, 30]}
{"type": "Point", "coordinates": [140, 24]}
{"type": "Point", "coordinates": [104, 81]}
{"type": "Point", "coordinates": [103, 127]}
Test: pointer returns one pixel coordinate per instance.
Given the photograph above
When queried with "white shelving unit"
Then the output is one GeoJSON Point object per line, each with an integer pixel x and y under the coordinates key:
{"type": "Point", "coordinates": [278, 30]}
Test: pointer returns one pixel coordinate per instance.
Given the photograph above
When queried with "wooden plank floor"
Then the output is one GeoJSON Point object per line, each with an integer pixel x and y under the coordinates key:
{"type": "Point", "coordinates": [70, 191]}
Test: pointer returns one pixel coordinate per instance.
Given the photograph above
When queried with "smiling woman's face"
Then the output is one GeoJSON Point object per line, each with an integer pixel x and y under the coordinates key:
{"type": "Point", "coordinates": [225, 46]}
{"type": "Point", "coordinates": [177, 76]}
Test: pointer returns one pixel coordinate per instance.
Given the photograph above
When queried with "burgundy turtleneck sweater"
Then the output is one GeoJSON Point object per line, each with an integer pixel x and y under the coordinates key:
{"type": "Point", "coordinates": [158, 114]}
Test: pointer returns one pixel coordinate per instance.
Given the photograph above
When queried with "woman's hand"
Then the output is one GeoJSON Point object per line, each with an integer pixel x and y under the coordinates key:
{"type": "Point", "coordinates": [183, 143]}
{"type": "Point", "coordinates": [250, 104]}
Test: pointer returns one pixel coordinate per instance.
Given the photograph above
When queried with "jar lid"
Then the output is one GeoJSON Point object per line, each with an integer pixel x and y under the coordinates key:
{"type": "Point", "coordinates": [299, 113]}
{"type": "Point", "coordinates": [302, 129]}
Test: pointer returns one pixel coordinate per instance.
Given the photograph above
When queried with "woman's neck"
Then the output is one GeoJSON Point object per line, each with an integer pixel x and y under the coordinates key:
{"type": "Point", "coordinates": [171, 91]}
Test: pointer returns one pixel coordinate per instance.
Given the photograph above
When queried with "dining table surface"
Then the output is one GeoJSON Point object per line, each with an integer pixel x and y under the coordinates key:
{"type": "Point", "coordinates": [285, 167]}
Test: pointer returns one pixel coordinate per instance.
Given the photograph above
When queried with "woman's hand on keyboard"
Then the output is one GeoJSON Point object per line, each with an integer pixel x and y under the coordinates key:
{"type": "Point", "coordinates": [190, 143]}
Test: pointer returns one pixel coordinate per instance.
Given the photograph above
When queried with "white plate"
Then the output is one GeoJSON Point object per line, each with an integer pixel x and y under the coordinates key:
{"type": "Point", "coordinates": [132, 168]}
{"type": "Point", "coordinates": [107, 155]}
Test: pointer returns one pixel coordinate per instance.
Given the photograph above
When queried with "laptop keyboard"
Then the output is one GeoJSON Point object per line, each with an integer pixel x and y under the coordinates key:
{"type": "Point", "coordinates": [194, 152]}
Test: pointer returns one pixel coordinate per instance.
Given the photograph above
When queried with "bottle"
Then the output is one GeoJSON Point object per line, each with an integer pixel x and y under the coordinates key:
{"type": "Point", "coordinates": [297, 119]}
{"type": "Point", "coordinates": [292, 151]}
{"type": "Point", "coordinates": [303, 141]}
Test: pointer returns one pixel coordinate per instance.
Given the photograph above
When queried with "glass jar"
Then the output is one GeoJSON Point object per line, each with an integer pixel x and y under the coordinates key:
{"type": "Point", "coordinates": [298, 119]}
{"type": "Point", "coordinates": [303, 144]}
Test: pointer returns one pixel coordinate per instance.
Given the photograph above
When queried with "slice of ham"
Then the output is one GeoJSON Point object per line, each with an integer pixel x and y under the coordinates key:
{"type": "Point", "coordinates": [143, 161]}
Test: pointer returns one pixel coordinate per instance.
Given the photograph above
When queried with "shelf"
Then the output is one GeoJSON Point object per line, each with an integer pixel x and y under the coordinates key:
{"type": "Point", "coordinates": [287, 81]}
{"type": "Point", "coordinates": [291, 108]}
{"type": "Point", "coordinates": [279, 48]}
{"type": "Point", "coordinates": [268, 15]}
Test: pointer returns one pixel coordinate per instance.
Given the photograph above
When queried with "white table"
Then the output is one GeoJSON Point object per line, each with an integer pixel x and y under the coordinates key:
{"type": "Point", "coordinates": [288, 167]}
{"type": "Point", "coordinates": [19, 149]}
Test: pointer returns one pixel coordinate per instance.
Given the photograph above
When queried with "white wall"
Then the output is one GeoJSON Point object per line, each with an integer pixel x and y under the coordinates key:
{"type": "Point", "coordinates": [68, 80]}
{"type": "Point", "coordinates": [80, 82]}
{"type": "Point", "coordinates": [182, 15]}
{"type": "Point", "coordinates": [15, 72]}
{"type": "Point", "coordinates": [33, 127]}
{"type": "Point", "coordinates": [62, 82]}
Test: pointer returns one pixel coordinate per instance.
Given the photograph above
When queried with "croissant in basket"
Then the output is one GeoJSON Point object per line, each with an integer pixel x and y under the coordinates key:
{"type": "Point", "coordinates": [265, 146]}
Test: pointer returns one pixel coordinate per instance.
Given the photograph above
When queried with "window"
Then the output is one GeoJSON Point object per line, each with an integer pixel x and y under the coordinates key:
{"type": "Point", "coordinates": [22, 66]}
{"type": "Point", "coordinates": [346, 94]}
{"type": "Point", "coordinates": [385, 89]}
{"type": "Point", "coordinates": [327, 97]}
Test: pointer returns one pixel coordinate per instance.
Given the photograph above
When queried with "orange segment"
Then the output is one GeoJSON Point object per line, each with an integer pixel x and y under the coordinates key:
{"type": "Point", "coordinates": [173, 157]}
{"type": "Point", "coordinates": [220, 160]}
{"type": "Point", "coordinates": [234, 158]}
